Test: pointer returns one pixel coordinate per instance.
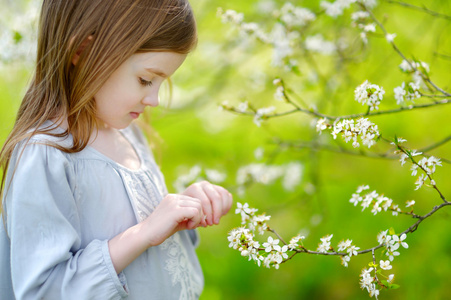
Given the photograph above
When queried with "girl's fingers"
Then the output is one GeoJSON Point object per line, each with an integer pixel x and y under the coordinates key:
{"type": "Point", "coordinates": [196, 191]}
{"type": "Point", "coordinates": [190, 211]}
{"type": "Point", "coordinates": [227, 199]}
{"type": "Point", "coordinates": [215, 200]}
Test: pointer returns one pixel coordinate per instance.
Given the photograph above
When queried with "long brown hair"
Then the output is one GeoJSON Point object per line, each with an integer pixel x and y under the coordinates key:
{"type": "Point", "coordinates": [103, 34]}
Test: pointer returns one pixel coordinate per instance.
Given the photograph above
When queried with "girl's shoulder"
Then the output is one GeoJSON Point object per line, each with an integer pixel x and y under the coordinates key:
{"type": "Point", "coordinates": [46, 145]}
{"type": "Point", "coordinates": [53, 136]}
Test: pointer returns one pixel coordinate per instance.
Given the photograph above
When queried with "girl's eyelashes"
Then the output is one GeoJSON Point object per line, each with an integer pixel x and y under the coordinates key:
{"type": "Point", "coordinates": [144, 82]}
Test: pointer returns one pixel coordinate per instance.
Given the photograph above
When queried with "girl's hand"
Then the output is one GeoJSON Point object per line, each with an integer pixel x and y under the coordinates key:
{"type": "Point", "coordinates": [174, 213]}
{"type": "Point", "coordinates": [216, 201]}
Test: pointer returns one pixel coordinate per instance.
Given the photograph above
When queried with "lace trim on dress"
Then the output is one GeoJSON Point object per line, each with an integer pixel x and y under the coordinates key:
{"type": "Point", "coordinates": [181, 270]}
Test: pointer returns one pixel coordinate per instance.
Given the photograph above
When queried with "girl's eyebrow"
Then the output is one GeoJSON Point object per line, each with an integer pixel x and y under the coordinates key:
{"type": "Point", "coordinates": [157, 72]}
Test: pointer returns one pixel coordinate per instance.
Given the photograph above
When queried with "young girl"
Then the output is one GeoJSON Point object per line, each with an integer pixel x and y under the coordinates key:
{"type": "Point", "coordinates": [86, 214]}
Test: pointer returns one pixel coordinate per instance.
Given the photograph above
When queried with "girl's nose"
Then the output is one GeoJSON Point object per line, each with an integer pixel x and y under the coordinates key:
{"type": "Point", "coordinates": [151, 100]}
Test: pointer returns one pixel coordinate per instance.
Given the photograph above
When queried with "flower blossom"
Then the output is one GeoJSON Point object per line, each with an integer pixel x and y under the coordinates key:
{"type": "Point", "coordinates": [294, 242]}
{"type": "Point", "coordinates": [324, 246]}
{"type": "Point", "coordinates": [296, 16]}
{"type": "Point", "coordinates": [316, 43]}
{"type": "Point", "coordinates": [367, 282]}
{"type": "Point", "coordinates": [385, 265]}
{"type": "Point", "coordinates": [244, 210]}
{"type": "Point", "coordinates": [271, 244]}
{"type": "Point", "coordinates": [369, 94]}
{"type": "Point", "coordinates": [352, 130]}
{"type": "Point", "coordinates": [262, 113]}
{"type": "Point", "coordinates": [400, 241]}
{"type": "Point", "coordinates": [390, 37]}
{"type": "Point", "coordinates": [321, 125]}
{"type": "Point", "coordinates": [410, 203]}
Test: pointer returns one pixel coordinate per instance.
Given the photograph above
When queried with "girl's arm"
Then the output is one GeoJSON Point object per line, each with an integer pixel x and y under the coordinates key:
{"type": "Point", "coordinates": [47, 257]}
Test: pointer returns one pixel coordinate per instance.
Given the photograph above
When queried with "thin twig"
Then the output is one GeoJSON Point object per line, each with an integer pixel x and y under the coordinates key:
{"type": "Point", "coordinates": [436, 145]}
{"type": "Point", "coordinates": [415, 226]}
{"type": "Point", "coordinates": [423, 9]}
{"type": "Point", "coordinates": [352, 116]}
{"type": "Point", "coordinates": [426, 78]}
{"type": "Point", "coordinates": [278, 236]}
{"type": "Point", "coordinates": [409, 230]}
{"type": "Point", "coordinates": [424, 170]}
{"type": "Point", "coordinates": [441, 55]}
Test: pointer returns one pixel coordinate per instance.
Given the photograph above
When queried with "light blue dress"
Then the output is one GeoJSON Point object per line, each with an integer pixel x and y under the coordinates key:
{"type": "Point", "coordinates": [61, 210]}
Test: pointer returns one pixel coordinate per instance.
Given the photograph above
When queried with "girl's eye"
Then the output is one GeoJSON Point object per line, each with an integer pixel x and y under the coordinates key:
{"type": "Point", "coordinates": [145, 82]}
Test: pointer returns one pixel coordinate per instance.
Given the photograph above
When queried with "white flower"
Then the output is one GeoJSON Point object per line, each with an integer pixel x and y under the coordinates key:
{"type": "Point", "coordinates": [293, 175]}
{"type": "Point", "coordinates": [321, 125]}
{"type": "Point", "coordinates": [235, 236]}
{"type": "Point", "coordinates": [281, 41]}
{"type": "Point", "coordinates": [244, 210]}
{"type": "Point", "coordinates": [293, 244]}
{"type": "Point", "coordinates": [281, 253]}
{"type": "Point", "coordinates": [369, 27]}
{"type": "Point", "coordinates": [403, 158]}
{"type": "Point", "coordinates": [261, 113]}
{"type": "Point", "coordinates": [415, 153]}
{"type": "Point", "coordinates": [390, 37]}
{"type": "Point", "coordinates": [332, 9]}
{"type": "Point", "coordinates": [385, 265]}
{"type": "Point", "coordinates": [271, 244]}
{"type": "Point", "coordinates": [323, 247]}
{"type": "Point", "coordinates": [343, 245]}
{"type": "Point", "coordinates": [279, 95]}
{"type": "Point", "coordinates": [352, 251]}
{"type": "Point", "coordinates": [351, 130]}
{"type": "Point", "coordinates": [374, 291]}
{"type": "Point", "coordinates": [360, 15]}
{"type": "Point", "coordinates": [215, 176]}
{"type": "Point", "coordinates": [243, 106]}
{"type": "Point", "coordinates": [369, 3]}
{"type": "Point", "coordinates": [296, 16]}
{"type": "Point", "coordinates": [345, 260]}
{"type": "Point", "coordinates": [413, 91]}
{"type": "Point", "coordinates": [400, 93]}
{"type": "Point", "coordinates": [400, 240]}
{"type": "Point", "coordinates": [410, 203]}
{"type": "Point", "coordinates": [420, 181]}
{"type": "Point", "coordinates": [406, 66]}
{"type": "Point", "coordinates": [362, 188]}
{"type": "Point", "coordinates": [230, 16]}
{"type": "Point", "coordinates": [382, 237]}
{"type": "Point", "coordinates": [391, 254]}
{"type": "Point", "coordinates": [369, 94]}
{"type": "Point", "coordinates": [277, 81]}
{"type": "Point", "coordinates": [356, 198]}
{"type": "Point", "coordinates": [327, 238]}
{"type": "Point", "coordinates": [316, 43]}
{"type": "Point", "coordinates": [390, 278]}
{"type": "Point", "coordinates": [396, 210]}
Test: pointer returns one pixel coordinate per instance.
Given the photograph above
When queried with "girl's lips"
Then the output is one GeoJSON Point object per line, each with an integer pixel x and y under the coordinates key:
{"type": "Point", "coordinates": [134, 115]}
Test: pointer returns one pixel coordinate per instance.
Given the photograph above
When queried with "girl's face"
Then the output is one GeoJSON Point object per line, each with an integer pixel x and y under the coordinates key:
{"type": "Point", "coordinates": [133, 86]}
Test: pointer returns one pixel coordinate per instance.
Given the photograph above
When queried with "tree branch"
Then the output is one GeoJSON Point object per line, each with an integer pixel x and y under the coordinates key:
{"type": "Point", "coordinates": [409, 230]}
{"type": "Point", "coordinates": [423, 9]}
{"type": "Point", "coordinates": [426, 78]}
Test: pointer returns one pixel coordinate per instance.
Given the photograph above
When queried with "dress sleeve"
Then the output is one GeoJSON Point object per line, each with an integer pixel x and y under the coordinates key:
{"type": "Point", "coordinates": [43, 225]}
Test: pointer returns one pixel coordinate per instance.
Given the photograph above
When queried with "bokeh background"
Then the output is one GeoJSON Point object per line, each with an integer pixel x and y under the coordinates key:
{"type": "Point", "coordinates": [191, 131]}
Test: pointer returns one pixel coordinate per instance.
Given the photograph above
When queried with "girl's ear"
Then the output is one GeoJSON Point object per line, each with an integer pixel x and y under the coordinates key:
{"type": "Point", "coordinates": [81, 49]}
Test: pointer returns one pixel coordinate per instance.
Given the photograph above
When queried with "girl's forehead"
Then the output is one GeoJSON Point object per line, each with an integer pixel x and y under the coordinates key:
{"type": "Point", "coordinates": [164, 62]}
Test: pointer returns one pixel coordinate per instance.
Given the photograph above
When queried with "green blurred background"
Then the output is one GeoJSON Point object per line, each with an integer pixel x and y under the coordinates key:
{"type": "Point", "coordinates": [193, 131]}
